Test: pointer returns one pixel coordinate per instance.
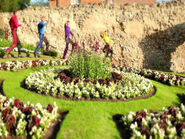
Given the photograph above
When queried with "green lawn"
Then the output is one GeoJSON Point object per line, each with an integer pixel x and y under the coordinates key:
{"type": "Point", "coordinates": [89, 119]}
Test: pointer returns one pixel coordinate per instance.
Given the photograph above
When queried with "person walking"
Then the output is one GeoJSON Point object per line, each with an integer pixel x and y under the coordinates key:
{"type": "Point", "coordinates": [41, 32]}
{"type": "Point", "coordinates": [67, 38]}
{"type": "Point", "coordinates": [107, 48]}
{"type": "Point", "coordinates": [14, 26]}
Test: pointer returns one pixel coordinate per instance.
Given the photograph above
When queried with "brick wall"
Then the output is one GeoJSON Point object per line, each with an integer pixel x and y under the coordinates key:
{"type": "Point", "coordinates": [52, 3]}
{"type": "Point", "coordinates": [133, 1]}
{"type": "Point", "coordinates": [90, 1]}
{"type": "Point", "coordinates": [59, 3]}
{"type": "Point", "coordinates": [64, 3]}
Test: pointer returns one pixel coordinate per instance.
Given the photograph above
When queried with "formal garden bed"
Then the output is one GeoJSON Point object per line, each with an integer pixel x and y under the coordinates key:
{"type": "Point", "coordinates": [89, 77]}
{"type": "Point", "coordinates": [25, 119]}
{"type": "Point", "coordinates": [20, 65]}
{"type": "Point", "coordinates": [167, 123]}
{"type": "Point", "coordinates": [55, 82]}
{"type": "Point", "coordinates": [166, 78]}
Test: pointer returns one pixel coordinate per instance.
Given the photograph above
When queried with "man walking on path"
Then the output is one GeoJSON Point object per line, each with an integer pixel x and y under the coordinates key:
{"type": "Point", "coordinates": [14, 26]}
{"type": "Point", "coordinates": [67, 38]}
{"type": "Point", "coordinates": [41, 26]}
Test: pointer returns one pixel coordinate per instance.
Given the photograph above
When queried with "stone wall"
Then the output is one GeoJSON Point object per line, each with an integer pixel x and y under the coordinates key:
{"type": "Point", "coordinates": [146, 35]}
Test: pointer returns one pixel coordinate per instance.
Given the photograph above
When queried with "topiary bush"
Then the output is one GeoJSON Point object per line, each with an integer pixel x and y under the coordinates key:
{"type": "Point", "coordinates": [89, 65]}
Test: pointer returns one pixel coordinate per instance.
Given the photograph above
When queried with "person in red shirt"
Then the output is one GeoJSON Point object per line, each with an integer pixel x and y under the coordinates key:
{"type": "Point", "coordinates": [14, 26]}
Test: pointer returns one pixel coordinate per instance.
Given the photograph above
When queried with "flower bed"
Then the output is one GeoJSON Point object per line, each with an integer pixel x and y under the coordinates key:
{"type": "Point", "coordinates": [22, 50]}
{"type": "Point", "coordinates": [168, 123]}
{"type": "Point", "coordinates": [18, 65]}
{"type": "Point", "coordinates": [19, 119]}
{"type": "Point", "coordinates": [47, 82]}
{"type": "Point", "coordinates": [165, 78]}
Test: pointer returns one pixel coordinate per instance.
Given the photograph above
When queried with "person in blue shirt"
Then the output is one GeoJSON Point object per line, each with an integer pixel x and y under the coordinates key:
{"type": "Point", "coordinates": [41, 26]}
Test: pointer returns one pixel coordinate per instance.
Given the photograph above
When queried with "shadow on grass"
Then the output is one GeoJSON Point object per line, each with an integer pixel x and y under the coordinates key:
{"type": "Point", "coordinates": [1, 87]}
{"type": "Point", "coordinates": [123, 131]}
{"type": "Point", "coordinates": [54, 129]}
{"type": "Point", "coordinates": [181, 98]}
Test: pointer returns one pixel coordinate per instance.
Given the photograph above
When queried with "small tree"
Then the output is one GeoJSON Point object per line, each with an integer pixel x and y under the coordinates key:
{"type": "Point", "coordinates": [11, 5]}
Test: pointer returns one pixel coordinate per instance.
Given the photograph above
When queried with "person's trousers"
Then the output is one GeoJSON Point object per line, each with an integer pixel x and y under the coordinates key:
{"type": "Point", "coordinates": [42, 38]}
{"type": "Point", "coordinates": [16, 41]}
{"type": "Point", "coordinates": [68, 41]}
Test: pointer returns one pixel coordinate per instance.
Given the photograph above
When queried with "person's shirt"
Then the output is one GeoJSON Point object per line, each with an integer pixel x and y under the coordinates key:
{"type": "Point", "coordinates": [14, 22]}
{"type": "Point", "coordinates": [41, 26]}
{"type": "Point", "coordinates": [107, 39]}
{"type": "Point", "coordinates": [67, 31]}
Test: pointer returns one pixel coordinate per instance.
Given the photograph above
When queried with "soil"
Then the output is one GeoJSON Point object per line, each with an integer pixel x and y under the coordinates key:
{"type": "Point", "coordinates": [52, 130]}
{"type": "Point", "coordinates": [152, 92]}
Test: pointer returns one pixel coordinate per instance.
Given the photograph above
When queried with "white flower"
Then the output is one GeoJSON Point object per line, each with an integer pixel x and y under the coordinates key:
{"type": "Point", "coordinates": [133, 126]}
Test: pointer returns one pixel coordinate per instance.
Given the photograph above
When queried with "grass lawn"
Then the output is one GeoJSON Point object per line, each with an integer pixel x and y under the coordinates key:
{"type": "Point", "coordinates": [89, 119]}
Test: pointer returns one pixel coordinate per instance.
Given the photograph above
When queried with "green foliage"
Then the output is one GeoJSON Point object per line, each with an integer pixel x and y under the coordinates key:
{"type": "Point", "coordinates": [89, 66]}
{"type": "Point", "coordinates": [5, 43]}
{"type": "Point", "coordinates": [51, 53]}
{"type": "Point", "coordinates": [2, 53]}
{"type": "Point", "coordinates": [1, 34]}
{"type": "Point", "coordinates": [28, 46]}
{"type": "Point", "coordinates": [11, 5]}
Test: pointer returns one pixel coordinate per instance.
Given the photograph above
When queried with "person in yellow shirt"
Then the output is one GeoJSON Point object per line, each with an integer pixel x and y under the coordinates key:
{"type": "Point", "coordinates": [107, 48]}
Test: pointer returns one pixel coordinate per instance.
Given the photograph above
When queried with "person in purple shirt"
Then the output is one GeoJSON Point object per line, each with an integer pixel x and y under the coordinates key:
{"type": "Point", "coordinates": [67, 38]}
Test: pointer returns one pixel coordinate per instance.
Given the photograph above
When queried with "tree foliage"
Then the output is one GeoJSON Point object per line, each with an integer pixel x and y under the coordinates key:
{"type": "Point", "coordinates": [11, 5]}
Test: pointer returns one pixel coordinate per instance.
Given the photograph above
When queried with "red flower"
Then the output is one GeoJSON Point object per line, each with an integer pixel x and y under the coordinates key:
{"type": "Point", "coordinates": [27, 110]}
{"type": "Point", "coordinates": [11, 124]}
{"type": "Point", "coordinates": [75, 45]}
{"type": "Point", "coordinates": [16, 103]}
{"type": "Point", "coordinates": [35, 120]}
{"type": "Point", "coordinates": [145, 131]}
{"type": "Point", "coordinates": [5, 112]}
{"type": "Point", "coordinates": [50, 108]}
{"type": "Point", "coordinates": [116, 76]}
{"type": "Point", "coordinates": [163, 125]}
{"type": "Point", "coordinates": [67, 80]}
{"type": "Point", "coordinates": [172, 111]}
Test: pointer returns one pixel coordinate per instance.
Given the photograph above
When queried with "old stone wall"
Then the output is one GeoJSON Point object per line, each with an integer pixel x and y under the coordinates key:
{"type": "Point", "coordinates": [145, 35]}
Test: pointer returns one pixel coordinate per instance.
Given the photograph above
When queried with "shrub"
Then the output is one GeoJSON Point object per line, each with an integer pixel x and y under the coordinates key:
{"type": "Point", "coordinates": [2, 53]}
{"type": "Point", "coordinates": [5, 43]}
{"type": "Point", "coordinates": [1, 34]}
{"type": "Point", "coordinates": [51, 53]}
{"type": "Point", "coordinates": [89, 65]}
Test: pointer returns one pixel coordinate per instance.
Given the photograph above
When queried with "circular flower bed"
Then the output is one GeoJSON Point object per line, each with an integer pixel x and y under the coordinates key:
{"type": "Point", "coordinates": [19, 119]}
{"type": "Point", "coordinates": [162, 77]}
{"type": "Point", "coordinates": [168, 123]}
{"type": "Point", "coordinates": [19, 65]}
{"type": "Point", "coordinates": [57, 82]}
